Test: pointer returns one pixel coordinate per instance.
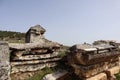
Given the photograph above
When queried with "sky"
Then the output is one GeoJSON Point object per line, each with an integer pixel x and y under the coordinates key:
{"type": "Point", "coordinates": [68, 22]}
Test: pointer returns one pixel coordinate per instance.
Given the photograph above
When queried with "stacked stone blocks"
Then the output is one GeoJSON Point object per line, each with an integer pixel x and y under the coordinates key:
{"type": "Point", "coordinates": [90, 61]}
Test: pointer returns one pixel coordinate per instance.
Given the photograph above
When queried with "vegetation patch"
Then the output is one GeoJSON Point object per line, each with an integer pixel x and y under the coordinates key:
{"type": "Point", "coordinates": [62, 54]}
{"type": "Point", "coordinates": [118, 76]}
{"type": "Point", "coordinates": [41, 74]}
{"type": "Point", "coordinates": [12, 37]}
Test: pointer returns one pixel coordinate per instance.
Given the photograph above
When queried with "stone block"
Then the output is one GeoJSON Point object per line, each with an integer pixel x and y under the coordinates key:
{"type": "Point", "coordinates": [59, 75]}
{"type": "Point", "coordinates": [35, 57]}
{"type": "Point", "coordinates": [114, 70]}
{"type": "Point", "coordinates": [19, 63]}
{"type": "Point", "coordinates": [4, 61]}
{"type": "Point", "coordinates": [32, 67]}
{"type": "Point", "coordinates": [101, 76]}
{"type": "Point", "coordinates": [91, 70]}
{"type": "Point", "coordinates": [90, 54]}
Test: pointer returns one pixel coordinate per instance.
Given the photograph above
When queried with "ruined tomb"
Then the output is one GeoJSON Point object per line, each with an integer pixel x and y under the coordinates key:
{"type": "Point", "coordinates": [34, 55]}
{"type": "Point", "coordinates": [35, 34]}
{"type": "Point", "coordinates": [90, 60]}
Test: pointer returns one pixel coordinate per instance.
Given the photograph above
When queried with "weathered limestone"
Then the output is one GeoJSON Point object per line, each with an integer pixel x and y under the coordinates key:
{"type": "Point", "coordinates": [30, 59]}
{"type": "Point", "coordinates": [35, 34]}
{"type": "Point", "coordinates": [34, 55]}
{"type": "Point", "coordinates": [59, 75]}
{"type": "Point", "coordinates": [88, 54]}
{"type": "Point", "coordinates": [114, 70]}
{"type": "Point", "coordinates": [101, 76]}
{"type": "Point", "coordinates": [4, 61]}
{"type": "Point", "coordinates": [15, 63]}
{"type": "Point", "coordinates": [91, 70]}
{"type": "Point", "coordinates": [88, 61]}
{"type": "Point", "coordinates": [99, 42]}
{"type": "Point", "coordinates": [32, 67]}
{"type": "Point", "coordinates": [33, 46]}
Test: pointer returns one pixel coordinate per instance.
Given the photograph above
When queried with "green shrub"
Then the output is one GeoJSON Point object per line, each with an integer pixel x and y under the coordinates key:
{"type": "Point", "coordinates": [62, 54]}
{"type": "Point", "coordinates": [41, 74]}
{"type": "Point", "coordinates": [118, 76]}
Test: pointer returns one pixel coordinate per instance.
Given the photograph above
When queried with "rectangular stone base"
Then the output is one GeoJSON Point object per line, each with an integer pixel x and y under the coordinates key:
{"type": "Point", "coordinates": [34, 67]}
{"type": "Point", "coordinates": [101, 76]}
{"type": "Point", "coordinates": [91, 70]}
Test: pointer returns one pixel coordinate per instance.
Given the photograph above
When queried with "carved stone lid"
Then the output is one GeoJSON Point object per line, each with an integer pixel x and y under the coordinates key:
{"type": "Point", "coordinates": [85, 47]}
{"type": "Point", "coordinates": [88, 47]}
{"type": "Point", "coordinates": [24, 46]}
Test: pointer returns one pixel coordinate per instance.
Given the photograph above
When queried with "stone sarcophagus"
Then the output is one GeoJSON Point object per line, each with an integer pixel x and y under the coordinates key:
{"type": "Point", "coordinates": [91, 54]}
{"type": "Point", "coordinates": [89, 60]}
{"type": "Point", "coordinates": [35, 34]}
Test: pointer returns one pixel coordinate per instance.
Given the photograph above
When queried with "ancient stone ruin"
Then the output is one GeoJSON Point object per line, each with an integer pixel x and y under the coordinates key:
{"type": "Point", "coordinates": [95, 62]}
{"type": "Point", "coordinates": [35, 34]}
{"type": "Point", "coordinates": [36, 54]}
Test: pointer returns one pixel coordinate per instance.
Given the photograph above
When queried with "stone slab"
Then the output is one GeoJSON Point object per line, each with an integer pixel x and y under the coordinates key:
{"type": "Point", "coordinates": [101, 76]}
{"type": "Point", "coordinates": [34, 67]}
{"type": "Point", "coordinates": [35, 57]}
{"type": "Point", "coordinates": [18, 63]}
{"type": "Point", "coordinates": [58, 75]}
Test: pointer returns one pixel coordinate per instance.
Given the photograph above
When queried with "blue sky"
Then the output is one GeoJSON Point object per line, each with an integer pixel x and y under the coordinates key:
{"type": "Point", "coordinates": [66, 21]}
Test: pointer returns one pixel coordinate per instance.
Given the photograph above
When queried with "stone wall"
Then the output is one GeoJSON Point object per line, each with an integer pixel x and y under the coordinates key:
{"type": "Point", "coordinates": [4, 61]}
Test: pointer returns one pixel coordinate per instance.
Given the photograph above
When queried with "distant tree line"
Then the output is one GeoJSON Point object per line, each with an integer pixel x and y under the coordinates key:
{"type": "Point", "coordinates": [10, 35]}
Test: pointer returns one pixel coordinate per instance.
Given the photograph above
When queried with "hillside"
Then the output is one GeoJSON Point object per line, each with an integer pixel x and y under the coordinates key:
{"type": "Point", "coordinates": [11, 36]}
